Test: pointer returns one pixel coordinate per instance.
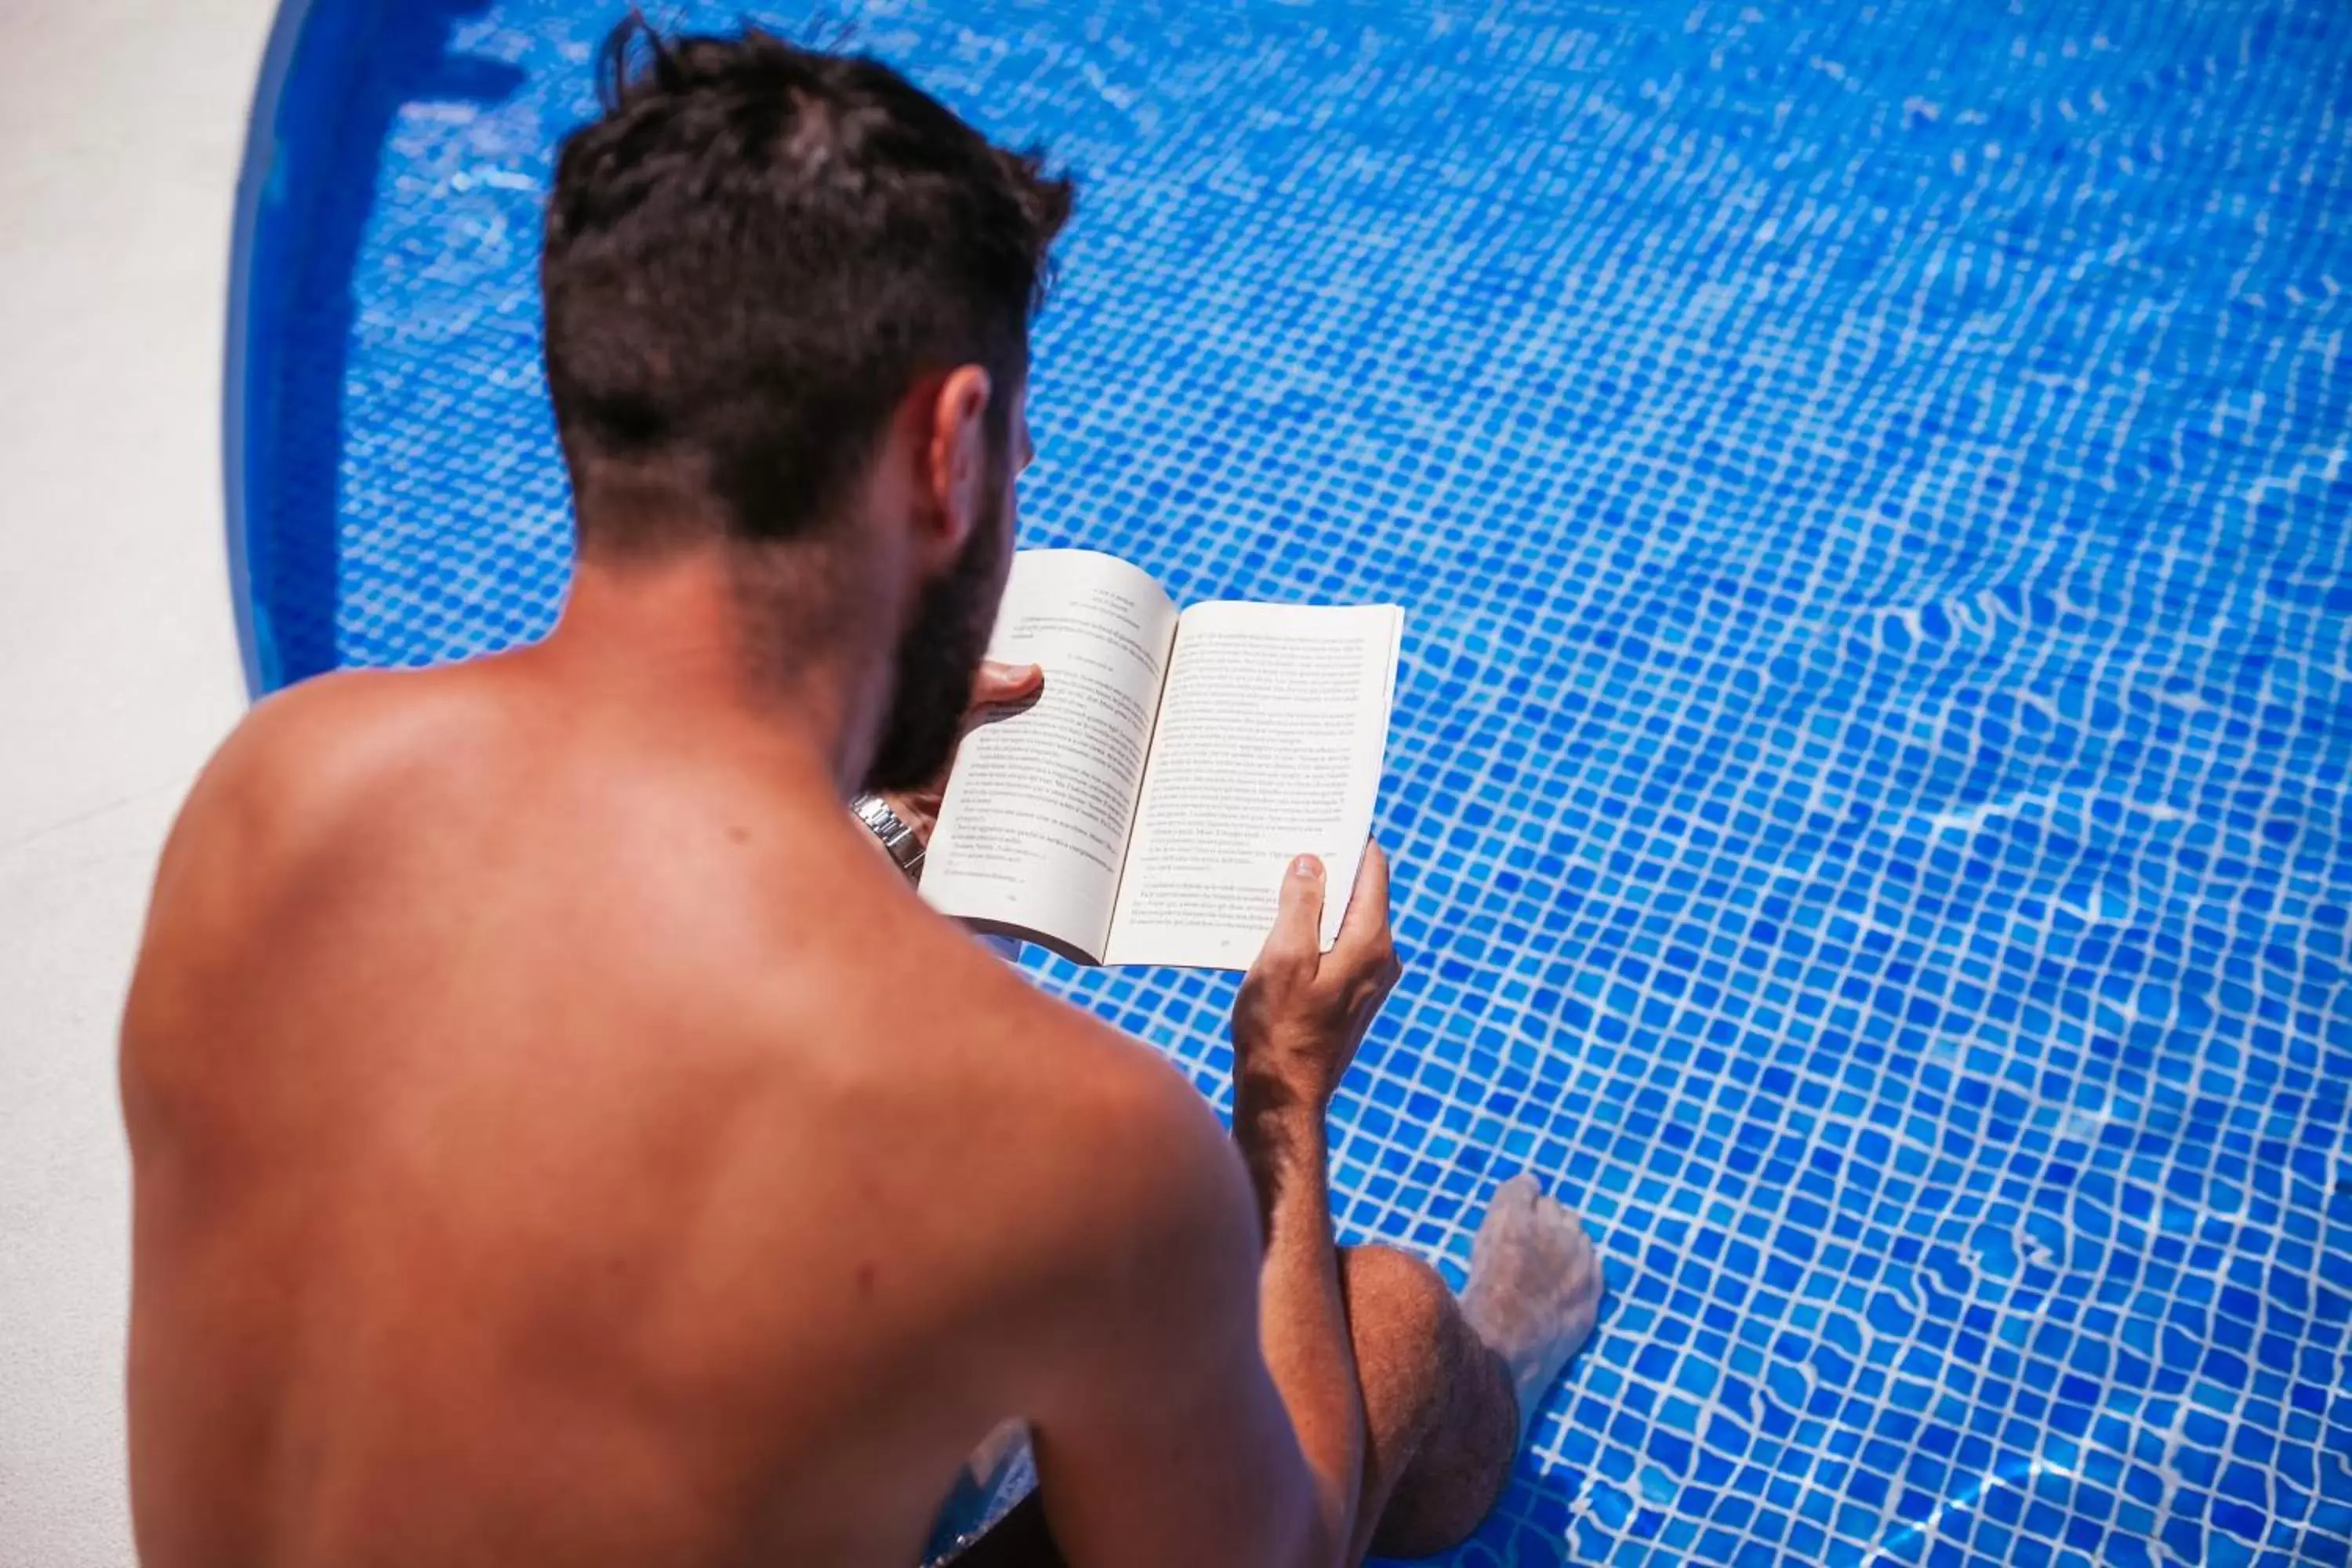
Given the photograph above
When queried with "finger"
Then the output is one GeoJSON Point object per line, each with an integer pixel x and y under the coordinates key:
{"type": "Point", "coordinates": [996, 684]}
{"type": "Point", "coordinates": [1366, 924]}
{"type": "Point", "coordinates": [1296, 936]}
{"type": "Point", "coordinates": [918, 808]}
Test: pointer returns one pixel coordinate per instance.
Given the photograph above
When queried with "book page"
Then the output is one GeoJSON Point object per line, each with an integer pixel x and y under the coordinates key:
{"type": "Point", "coordinates": [1272, 727]}
{"type": "Point", "coordinates": [1035, 826]}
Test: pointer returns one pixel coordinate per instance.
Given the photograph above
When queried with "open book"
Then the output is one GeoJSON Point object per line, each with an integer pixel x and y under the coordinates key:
{"type": "Point", "coordinates": [1143, 809]}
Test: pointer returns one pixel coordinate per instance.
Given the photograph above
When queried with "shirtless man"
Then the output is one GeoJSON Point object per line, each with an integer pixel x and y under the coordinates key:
{"type": "Point", "coordinates": [560, 1137]}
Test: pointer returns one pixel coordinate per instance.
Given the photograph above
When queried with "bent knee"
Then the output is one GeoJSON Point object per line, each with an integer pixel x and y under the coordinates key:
{"type": "Point", "coordinates": [1400, 1314]}
{"type": "Point", "coordinates": [1391, 1283]}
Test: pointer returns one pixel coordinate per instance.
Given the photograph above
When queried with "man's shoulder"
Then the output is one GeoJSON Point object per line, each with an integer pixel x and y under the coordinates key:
{"type": "Point", "coordinates": [1055, 1063]}
{"type": "Point", "coordinates": [1095, 1200]}
{"type": "Point", "coordinates": [279, 790]}
{"type": "Point", "coordinates": [335, 730]}
{"type": "Point", "coordinates": [1050, 1093]}
{"type": "Point", "coordinates": [1106, 1147]}
{"type": "Point", "coordinates": [317, 765]}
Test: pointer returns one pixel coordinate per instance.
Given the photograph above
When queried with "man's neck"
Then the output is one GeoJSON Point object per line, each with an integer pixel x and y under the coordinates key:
{"type": "Point", "coordinates": [681, 640]}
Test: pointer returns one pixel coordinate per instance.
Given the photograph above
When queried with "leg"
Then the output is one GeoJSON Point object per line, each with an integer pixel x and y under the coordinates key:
{"type": "Point", "coordinates": [1450, 1388]}
{"type": "Point", "coordinates": [1440, 1421]}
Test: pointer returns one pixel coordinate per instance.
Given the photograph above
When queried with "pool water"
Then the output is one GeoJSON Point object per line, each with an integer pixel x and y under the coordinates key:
{"type": "Point", "coordinates": [1871, 488]}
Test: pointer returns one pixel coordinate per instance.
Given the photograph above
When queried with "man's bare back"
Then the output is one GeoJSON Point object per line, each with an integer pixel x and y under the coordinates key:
{"type": "Point", "coordinates": [586, 1105]}
{"type": "Point", "coordinates": [559, 1132]}
{"type": "Point", "coordinates": [548, 1097]}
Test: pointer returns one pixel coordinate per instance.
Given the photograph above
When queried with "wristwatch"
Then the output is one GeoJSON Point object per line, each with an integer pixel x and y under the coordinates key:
{"type": "Point", "coordinates": [906, 849]}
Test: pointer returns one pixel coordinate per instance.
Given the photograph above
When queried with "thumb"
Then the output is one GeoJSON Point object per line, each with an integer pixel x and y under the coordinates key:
{"type": "Point", "coordinates": [1298, 932]}
{"type": "Point", "coordinates": [997, 684]}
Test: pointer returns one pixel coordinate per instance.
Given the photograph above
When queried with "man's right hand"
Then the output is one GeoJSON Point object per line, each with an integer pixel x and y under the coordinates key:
{"type": "Point", "coordinates": [1302, 1012]}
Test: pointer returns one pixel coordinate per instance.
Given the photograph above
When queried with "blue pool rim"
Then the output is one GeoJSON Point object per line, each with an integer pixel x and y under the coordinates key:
{"type": "Point", "coordinates": [279, 151]}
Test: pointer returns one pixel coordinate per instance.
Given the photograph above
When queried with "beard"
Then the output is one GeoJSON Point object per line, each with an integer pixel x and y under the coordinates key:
{"type": "Point", "coordinates": [936, 660]}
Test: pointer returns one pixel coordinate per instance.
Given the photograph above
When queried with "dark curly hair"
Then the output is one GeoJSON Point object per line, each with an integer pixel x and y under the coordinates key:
{"type": "Point", "coordinates": [754, 253]}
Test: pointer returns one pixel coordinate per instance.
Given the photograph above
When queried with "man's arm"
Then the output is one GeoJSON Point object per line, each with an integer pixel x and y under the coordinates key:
{"type": "Point", "coordinates": [1206, 1407]}
{"type": "Point", "coordinates": [1297, 1022]}
{"type": "Point", "coordinates": [1161, 1441]}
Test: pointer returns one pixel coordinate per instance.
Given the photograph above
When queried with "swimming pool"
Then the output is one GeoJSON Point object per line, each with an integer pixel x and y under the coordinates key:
{"type": "Point", "coordinates": [1871, 488]}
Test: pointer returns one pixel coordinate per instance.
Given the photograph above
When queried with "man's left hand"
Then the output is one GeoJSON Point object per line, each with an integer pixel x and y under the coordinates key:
{"type": "Point", "coordinates": [997, 690]}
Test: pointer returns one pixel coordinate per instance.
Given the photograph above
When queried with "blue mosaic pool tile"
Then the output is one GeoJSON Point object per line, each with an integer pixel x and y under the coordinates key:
{"type": "Point", "coordinates": [1872, 485]}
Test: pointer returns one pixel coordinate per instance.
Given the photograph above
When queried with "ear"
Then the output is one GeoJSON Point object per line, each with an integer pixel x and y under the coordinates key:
{"type": "Point", "coordinates": [955, 462]}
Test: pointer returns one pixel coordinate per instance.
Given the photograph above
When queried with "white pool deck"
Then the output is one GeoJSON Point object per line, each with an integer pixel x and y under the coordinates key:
{"type": "Point", "coordinates": [119, 668]}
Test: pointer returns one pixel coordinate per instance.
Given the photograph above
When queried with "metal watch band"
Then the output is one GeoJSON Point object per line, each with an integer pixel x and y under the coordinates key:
{"type": "Point", "coordinates": [906, 849]}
